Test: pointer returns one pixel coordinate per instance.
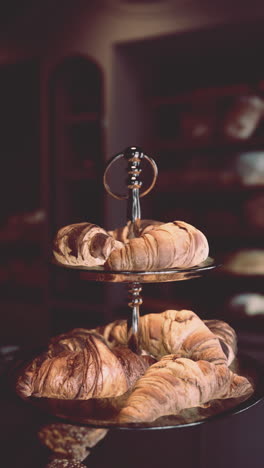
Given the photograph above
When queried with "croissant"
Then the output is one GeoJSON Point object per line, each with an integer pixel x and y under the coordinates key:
{"type": "Point", "coordinates": [83, 244]}
{"type": "Point", "coordinates": [227, 337]}
{"type": "Point", "coordinates": [174, 384]}
{"type": "Point", "coordinates": [169, 245]}
{"type": "Point", "coordinates": [81, 367]}
{"type": "Point", "coordinates": [179, 332]}
{"type": "Point", "coordinates": [123, 234]}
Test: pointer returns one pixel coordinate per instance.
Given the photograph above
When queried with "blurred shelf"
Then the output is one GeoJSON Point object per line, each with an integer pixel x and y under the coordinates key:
{"type": "Point", "coordinates": [26, 322]}
{"type": "Point", "coordinates": [202, 95]}
{"type": "Point", "coordinates": [20, 306]}
{"type": "Point", "coordinates": [188, 145]}
{"type": "Point", "coordinates": [204, 181]}
{"type": "Point", "coordinates": [77, 305]}
{"type": "Point", "coordinates": [81, 174]}
{"type": "Point", "coordinates": [74, 118]}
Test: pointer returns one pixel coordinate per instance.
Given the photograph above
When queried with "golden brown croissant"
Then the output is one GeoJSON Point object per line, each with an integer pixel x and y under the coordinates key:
{"type": "Point", "coordinates": [123, 234]}
{"type": "Point", "coordinates": [174, 384]}
{"type": "Point", "coordinates": [179, 332]}
{"type": "Point", "coordinates": [170, 245]}
{"type": "Point", "coordinates": [227, 337]}
{"type": "Point", "coordinates": [81, 366]}
{"type": "Point", "coordinates": [83, 244]}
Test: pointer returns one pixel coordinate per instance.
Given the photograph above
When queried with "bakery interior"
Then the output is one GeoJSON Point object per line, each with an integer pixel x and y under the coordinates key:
{"type": "Point", "coordinates": [80, 82]}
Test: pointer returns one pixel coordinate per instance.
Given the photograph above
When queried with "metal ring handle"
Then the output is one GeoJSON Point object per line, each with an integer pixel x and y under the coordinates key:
{"type": "Point", "coordinates": [125, 197]}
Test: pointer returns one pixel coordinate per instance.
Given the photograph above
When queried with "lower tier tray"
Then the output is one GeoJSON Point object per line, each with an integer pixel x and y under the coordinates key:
{"type": "Point", "coordinates": [102, 412]}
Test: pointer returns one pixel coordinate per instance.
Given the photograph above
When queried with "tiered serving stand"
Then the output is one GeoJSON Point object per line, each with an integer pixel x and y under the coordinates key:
{"type": "Point", "coordinates": [102, 412]}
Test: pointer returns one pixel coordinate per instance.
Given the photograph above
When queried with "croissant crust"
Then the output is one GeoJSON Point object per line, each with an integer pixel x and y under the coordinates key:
{"type": "Point", "coordinates": [170, 245]}
{"type": "Point", "coordinates": [158, 246]}
{"type": "Point", "coordinates": [192, 369]}
{"type": "Point", "coordinates": [80, 367]}
{"type": "Point", "coordinates": [173, 384]}
{"type": "Point", "coordinates": [179, 332]}
{"type": "Point", "coordinates": [83, 244]}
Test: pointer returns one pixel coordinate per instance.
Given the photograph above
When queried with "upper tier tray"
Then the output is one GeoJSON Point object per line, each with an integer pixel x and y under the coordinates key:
{"type": "Point", "coordinates": [99, 273]}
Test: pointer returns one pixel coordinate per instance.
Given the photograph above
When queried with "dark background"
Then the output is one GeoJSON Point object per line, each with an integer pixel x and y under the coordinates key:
{"type": "Point", "coordinates": [80, 82]}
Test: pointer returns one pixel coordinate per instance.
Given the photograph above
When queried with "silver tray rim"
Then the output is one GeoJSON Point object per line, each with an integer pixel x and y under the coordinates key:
{"type": "Point", "coordinates": [99, 273]}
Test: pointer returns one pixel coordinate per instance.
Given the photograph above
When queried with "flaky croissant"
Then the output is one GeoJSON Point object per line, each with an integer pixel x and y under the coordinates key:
{"type": "Point", "coordinates": [227, 337]}
{"type": "Point", "coordinates": [179, 332]}
{"type": "Point", "coordinates": [123, 234]}
{"type": "Point", "coordinates": [83, 244]}
{"type": "Point", "coordinates": [174, 384]}
{"type": "Point", "coordinates": [159, 246]}
{"type": "Point", "coordinates": [170, 245]}
{"type": "Point", "coordinates": [81, 366]}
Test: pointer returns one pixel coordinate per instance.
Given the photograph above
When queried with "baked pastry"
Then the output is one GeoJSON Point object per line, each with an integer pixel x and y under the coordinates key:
{"type": "Point", "coordinates": [158, 246]}
{"type": "Point", "coordinates": [83, 244]}
{"type": "Point", "coordinates": [81, 366]}
{"type": "Point", "coordinates": [174, 384]}
{"type": "Point", "coordinates": [170, 245]}
{"type": "Point", "coordinates": [179, 332]}
{"type": "Point", "coordinates": [192, 368]}
{"type": "Point", "coordinates": [124, 233]}
{"type": "Point", "coordinates": [69, 441]}
{"type": "Point", "coordinates": [227, 337]}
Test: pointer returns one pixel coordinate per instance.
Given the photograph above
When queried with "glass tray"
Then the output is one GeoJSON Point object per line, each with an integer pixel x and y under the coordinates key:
{"type": "Point", "coordinates": [101, 413]}
{"type": "Point", "coordinates": [99, 273]}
